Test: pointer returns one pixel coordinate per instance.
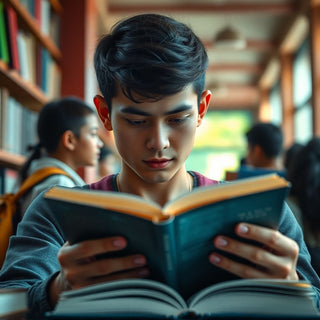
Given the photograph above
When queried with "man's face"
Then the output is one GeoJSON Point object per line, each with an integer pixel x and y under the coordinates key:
{"type": "Point", "coordinates": [155, 138]}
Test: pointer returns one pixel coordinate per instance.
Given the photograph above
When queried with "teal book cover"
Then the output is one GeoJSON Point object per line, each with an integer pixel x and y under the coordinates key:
{"type": "Point", "coordinates": [176, 245]}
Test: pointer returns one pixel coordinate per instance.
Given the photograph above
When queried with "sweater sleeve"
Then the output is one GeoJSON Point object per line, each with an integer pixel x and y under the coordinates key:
{"type": "Point", "coordinates": [31, 260]}
{"type": "Point", "coordinates": [290, 227]}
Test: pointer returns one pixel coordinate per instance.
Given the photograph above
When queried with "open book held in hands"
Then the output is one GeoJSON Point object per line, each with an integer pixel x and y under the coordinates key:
{"type": "Point", "coordinates": [178, 238]}
{"type": "Point", "coordinates": [140, 298]}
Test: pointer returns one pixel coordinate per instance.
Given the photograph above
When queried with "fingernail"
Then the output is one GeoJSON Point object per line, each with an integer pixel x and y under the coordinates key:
{"type": "Point", "coordinates": [214, 259]}
{"type": "Point", "coordinates": [243, 228]}
{"type": "Point", "coordinates": [139, 260]}
{"type": "Point", "coordinates": [119, 243]}
{"type": "Point", "coordinates": [221, 242]}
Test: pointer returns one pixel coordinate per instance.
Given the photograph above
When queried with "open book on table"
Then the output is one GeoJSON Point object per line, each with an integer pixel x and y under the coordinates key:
{"type": "Point", "coordinates": [148, 298]}
{"type": "Point", "coordinates": [178, 238]}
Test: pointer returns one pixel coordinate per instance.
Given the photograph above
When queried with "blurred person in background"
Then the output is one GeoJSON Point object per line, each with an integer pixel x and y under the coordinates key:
{"type": "Point", "coordinates": [304, 175]}
{"type": "Point", "coordinates": [67, 134]}
{"type": "Point", "coordinates": [264, 151]}
{"type": "Point", "coordinates": [108, 162]}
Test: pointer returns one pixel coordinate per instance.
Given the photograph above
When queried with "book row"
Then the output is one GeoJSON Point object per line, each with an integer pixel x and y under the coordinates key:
{"type": "Point", "coordinates": [17, 126]}
{"type": "Point", "coordinates": [21, 50]}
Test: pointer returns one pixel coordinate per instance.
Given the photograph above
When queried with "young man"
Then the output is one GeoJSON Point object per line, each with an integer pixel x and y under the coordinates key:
{"type": "Point", "coordinates": [151, 73]}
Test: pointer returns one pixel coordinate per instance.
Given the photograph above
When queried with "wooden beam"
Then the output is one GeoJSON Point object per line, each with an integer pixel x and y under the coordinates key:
{"type": "Point", "coordinates": [248, 68]}
{"type": "Point", "coordinates": [235, 97]}
{"type": "Point", "coordinates": [290, 39]}
{"type": "Point", "coordinates": [265, 7]}
{"type": "Point", "coordinates": [10, 160]}
{"type": "Point", "coordinates": [287, 98]}
{"type": "Point", "coordinates": [264, 114]}
{"type": "Point", "coordinates": [24, 91]}
{"type": "Point", "coordinates": [73, 48]}
{"type": "Point", "coordinates": [315, 60]}
{"type": "Point", "coordinates": [251, 44]}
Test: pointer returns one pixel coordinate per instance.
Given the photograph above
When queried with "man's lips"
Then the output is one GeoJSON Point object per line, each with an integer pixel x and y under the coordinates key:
{"type": "Point", "coordinates": [157, 163]}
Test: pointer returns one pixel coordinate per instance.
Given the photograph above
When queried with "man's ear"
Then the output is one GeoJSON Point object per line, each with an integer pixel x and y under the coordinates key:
{"type": "Point", "coordinates": [258, 151]}
{"type": "Point", "coordinates": [204, 105]}
{"type": "Point", "coordinates": [257, 155]}
{"type": "Point", "coordinates": [103, 111]}
{"type": "Point", "coordinates": [69, 140]}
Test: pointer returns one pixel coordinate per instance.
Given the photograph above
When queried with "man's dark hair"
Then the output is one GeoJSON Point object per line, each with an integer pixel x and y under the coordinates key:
{"type": "Point", "coordinates": [268, 136]}
{"type": "Point", "coordinates": [152, 56]}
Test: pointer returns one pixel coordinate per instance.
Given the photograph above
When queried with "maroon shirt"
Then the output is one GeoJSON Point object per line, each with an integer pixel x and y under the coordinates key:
{"type": "Point", "coordinates": [109, 183]}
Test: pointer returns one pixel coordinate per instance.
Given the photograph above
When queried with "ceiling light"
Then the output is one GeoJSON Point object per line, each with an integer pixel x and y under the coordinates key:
{"type": "Point", "coordinates": [229, 38]}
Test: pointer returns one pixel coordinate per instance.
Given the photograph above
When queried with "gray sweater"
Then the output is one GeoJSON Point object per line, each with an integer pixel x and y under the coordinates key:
{"type": "Point", "coordinates": [31, 260]}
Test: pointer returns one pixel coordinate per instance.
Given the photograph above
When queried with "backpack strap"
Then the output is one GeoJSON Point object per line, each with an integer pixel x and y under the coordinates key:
{"type": "Point", "coordinates": [38, 176]}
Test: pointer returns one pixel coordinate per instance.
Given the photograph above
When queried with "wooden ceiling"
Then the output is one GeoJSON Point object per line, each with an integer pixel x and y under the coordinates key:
{"type": "Point", "coordinates": [236, 76]}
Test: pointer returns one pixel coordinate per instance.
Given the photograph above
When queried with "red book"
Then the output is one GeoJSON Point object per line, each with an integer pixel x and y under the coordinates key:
{"type": "Point", "coordinates": [12, 29]}
{"type": "Point", "coordinates": [37, 11]}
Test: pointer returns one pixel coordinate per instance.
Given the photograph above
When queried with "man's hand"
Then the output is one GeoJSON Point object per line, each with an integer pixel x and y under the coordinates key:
{"type": "Point", "coordinates": [275, 258]}
{"type": "Point", "coordinates": [80, 268]}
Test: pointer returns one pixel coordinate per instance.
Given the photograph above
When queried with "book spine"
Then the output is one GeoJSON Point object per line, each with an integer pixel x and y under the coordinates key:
{"type": "Point", "coordinates": [4, 50]}
{"type": "Point", "coordinates": [166, 239]}
{"type": "Point", "coordinates": [12, 31]}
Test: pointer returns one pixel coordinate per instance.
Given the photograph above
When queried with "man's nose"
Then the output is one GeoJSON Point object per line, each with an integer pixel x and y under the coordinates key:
{"type": "Point", "coordinates": [158, 138]}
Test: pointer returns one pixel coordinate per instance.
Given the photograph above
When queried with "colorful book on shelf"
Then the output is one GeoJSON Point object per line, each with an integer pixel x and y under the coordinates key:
{"type": "Point", "coordinates": [46, 61]}
{"type": "Point", "coordinates": [12, 129]}
{"type": "Point", "coordinates": [178, 238]}
{"type": "Point", "coordinates": [37, 12]}
{"type": "Point", "coordinates": [12, 34]}
{"type": "Point", "coordinates": [29, 5]}
{"type": "Point", "coordinates": [4, 50]}
{"type": "Point", "coordinates": [30, 41]}
{"type": "Point", "coordinates": [23, 55]}
{"type": "Point", "coordinates": [45, 8]}
{"type": "Point", "coordinates": [141, 299]}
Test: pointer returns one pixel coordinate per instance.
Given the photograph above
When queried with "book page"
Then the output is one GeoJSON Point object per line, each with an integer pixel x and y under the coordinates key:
{"type": "Point", "coordinates": [126, 284]}
{"type": "Point", "coordinates": [121, 202]}
{"type": "Point", "coordinates": [219, 192]}
{"type": "Point", "coordinates": [130, 296]}
{"type": "Point", "coordinates": [121, 307]}
{"type": "Point", "coordinates": [257, 296]}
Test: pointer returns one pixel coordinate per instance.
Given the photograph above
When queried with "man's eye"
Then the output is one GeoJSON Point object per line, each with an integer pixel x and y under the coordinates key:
{"type": "Point", "coordinates": [136, 122]}
{"type": "Point", "coordinates": [177, 120]}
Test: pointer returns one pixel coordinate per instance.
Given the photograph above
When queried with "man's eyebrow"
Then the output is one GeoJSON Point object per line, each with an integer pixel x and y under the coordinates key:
{"type": "Point", "coordinates": [133, 110]}
{"type": "Point", "coordinates": [181, 108]}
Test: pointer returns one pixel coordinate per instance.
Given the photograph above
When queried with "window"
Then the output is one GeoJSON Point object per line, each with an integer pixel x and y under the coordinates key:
{"type": "Point", "coordinates": [302, 91]}
{"type": "Point", "coordinates": [220, 143]}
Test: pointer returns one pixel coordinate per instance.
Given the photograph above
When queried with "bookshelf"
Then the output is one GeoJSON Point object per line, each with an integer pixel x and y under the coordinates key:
{"type": "Point", "coordinates": [34, 25]}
